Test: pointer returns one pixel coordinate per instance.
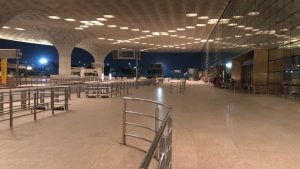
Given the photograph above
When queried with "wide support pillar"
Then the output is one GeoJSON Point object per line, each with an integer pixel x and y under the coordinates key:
{"type": "Point", "coordinates": [99, 67]}
{"type": "Point", "coordinates": [64, 54]}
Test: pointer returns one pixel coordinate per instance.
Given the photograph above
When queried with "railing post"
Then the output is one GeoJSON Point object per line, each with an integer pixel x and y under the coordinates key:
{"type": "Point", "coordinates": [66, 99]}
{"type": "Point", "coordinates": [52, 101]}
{"type": "Point", "coordinates": [78, 91]}
{"type": "Point", "coordinates": [69, 92]}
{"type": "Point", "coordinates": [35, 99]}
{"type": "Point", "coordinates": [124, 122]}
{"type": "Point", "coordinates": [10, 108]}
{"type": "Point", "coordinates": [23, 99]}
{"type": "Point", "coordinates": [1, 103]}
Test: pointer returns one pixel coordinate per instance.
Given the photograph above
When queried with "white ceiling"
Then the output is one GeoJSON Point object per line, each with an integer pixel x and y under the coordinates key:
{"type": "Point", "coordinates": [150, 17]}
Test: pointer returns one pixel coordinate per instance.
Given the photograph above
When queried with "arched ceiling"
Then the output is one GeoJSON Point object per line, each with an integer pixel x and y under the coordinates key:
{"type": "Point", "coordinates": [151, 25]}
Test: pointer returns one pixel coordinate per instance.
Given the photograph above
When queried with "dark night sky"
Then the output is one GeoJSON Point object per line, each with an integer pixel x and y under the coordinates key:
{"type": "Point", "coordinates": [170, 61]}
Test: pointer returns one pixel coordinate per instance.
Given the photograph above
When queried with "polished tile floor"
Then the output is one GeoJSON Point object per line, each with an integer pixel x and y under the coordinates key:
{"type": "Point", "coordinates": [213, 129]}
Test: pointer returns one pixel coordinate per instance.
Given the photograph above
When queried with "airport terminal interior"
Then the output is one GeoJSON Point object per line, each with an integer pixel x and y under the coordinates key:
{"type": "Point", "coordinates": [182, 84]}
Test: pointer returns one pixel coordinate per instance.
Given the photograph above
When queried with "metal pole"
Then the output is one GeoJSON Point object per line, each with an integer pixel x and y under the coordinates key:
{"type": "Point", "coordinates": [10, 109]}
{"type": "Point", "coordinates": [124, 122]}
{"type": "Point", "coordinates": [66, 99]}
{"type": "Point", "coordinates": [52, 101]}
{"type": "Point", "coordinates": [35, 99]}
{"type": "Point", "coordinates": [136, 68]}
{"type": "Point", "coordinates": [1, 103]}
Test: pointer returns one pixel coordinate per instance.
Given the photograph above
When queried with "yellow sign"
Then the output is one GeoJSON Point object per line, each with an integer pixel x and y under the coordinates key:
{"type": "Point", "coordinates": [4, 71]}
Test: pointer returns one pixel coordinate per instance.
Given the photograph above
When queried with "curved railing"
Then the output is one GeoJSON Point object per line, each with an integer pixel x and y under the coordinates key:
{"type": "Point", "coordinates": [161, 144]}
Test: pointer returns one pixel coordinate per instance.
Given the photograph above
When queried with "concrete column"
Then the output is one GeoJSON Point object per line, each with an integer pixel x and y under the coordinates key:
{"type": "Point", "coordinates": [99, 67]}
{"type": "Point", "coordinates": [64, 54]}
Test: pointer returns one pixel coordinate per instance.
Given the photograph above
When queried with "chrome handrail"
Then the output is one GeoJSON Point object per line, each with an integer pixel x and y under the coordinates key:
{"type": "Point", "coordinates": [161, 145]}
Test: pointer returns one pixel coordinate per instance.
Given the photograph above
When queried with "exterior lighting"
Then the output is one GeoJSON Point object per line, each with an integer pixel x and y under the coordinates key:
{"type": "Point", "coordinates": [229, 65]}
{"type": "Point", "coordinates": [43, 61]}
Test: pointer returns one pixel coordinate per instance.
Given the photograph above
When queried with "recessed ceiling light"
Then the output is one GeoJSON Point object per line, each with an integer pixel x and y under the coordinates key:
{"type": "Point", "coordinates": [110, 39]}
{"type": "Point", "coordinates": [241, 26]}
{"type": "Point", "coordinates": [101, 19]}
{"type": "Point", "coordinates": [146, 31]}
{"type": "Point", "coordinates": [79, 28]}
{"type": "Point", "coordinates": [203, 17]}
{"type": "Point", "coordinates": [191, 14]}
{"type": "Point", "coordinates": [210, 40]}
{"type": "Point", "coordinates": [201, 25]}
{"type": "Point", "coordinates": [155, 33]}
{"type": "Point", "coordinates": [135, 30]}
{"type": "Point", "coordinates": [232, 24]}
{"type": "Point", "coordinates": [190, 27]}
{"type": "Point", "coordinates": [70, 19]}
{"type": "Point", "coordinates": [143, 37]}
{"type": "Point", "coordinates": [124, 28]}
{"type": "Point", "coordinates": [112, 26]}
{"type": "Point", "coordinates": [180, 29]}
{"type": "Point", "coordinates": [224, 21]}
{"type": "Point", "coordinates": [109, 16]}
{"type": "Point", "coordinates": [196, 42]}
{"type": "Point", "coordinates": [182, 37]}
{"type": "Point", "coordinates": [248, 28]}
{"type": "Point", "coordinates": [171, 31]}
{"type": "Point", "coordinates": [197, 39]}
{"type": "Point", "coordinates": [149, 35]}
{"type": "Point", "coordinates": [238, 36]}
{"type": "Point", "coordinates": [20, 29]}
{"type": "Point", "coordinates": [164, 33]}
{"type": "Point", "coordinates": [96, 23]}
{"type": "Point", "coordinates": [5, 27]}
{"type": "Point", "coordinates": [173, 35]}
{"type": "Point", "coordinates": [255, 30]}
{"type": "Point", "coordinates": [101, 38]}
{"type": "Point", "coordinates": [54, 17]}
{"type": "Point", "coordinates": [254, 13]}
{"type": "Point", "coordinates": [283, 30]}
{"type": "Point", "coordinates": [238, 17]}
{"type": "Point", "coordinates": [248, 34]}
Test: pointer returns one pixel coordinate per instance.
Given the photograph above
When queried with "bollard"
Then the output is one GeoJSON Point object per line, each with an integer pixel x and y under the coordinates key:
{"type": "Point", "coordinates": [10, 109]}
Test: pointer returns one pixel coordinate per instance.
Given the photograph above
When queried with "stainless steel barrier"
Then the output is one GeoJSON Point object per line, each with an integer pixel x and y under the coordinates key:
{"type": "Point", "coordinates": [18, 103]}
{"type": "Point", "coordinates": [177, 85]}
{"type": "Point", "coordinates": [110, 88]}
{"type": "Point", "coordinates": [161, 144]}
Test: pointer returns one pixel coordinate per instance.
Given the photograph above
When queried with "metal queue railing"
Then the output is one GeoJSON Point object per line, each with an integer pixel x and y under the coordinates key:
{"type": "Point", "coordinates": [47, 81]}
{"type": "Point", "coordinates": [17, 103]}
{"type": "Point", "coordinates": [110, 88]}
{"type": "Point", "coordinates": [161, 144]}
{"type": "Point", "coordinates": [179, 84]}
